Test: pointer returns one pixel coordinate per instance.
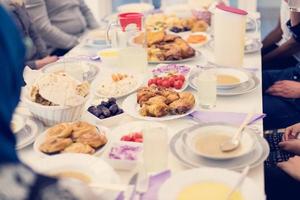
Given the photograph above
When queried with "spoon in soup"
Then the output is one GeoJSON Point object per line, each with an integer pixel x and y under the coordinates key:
{"type": "Point", "coordinates": [239, 182]}
{"type": "Point", "coordinates": [234, 142]}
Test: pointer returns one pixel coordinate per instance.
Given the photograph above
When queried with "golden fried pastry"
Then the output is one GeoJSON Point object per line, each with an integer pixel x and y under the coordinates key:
{"type": "Point", "coordinates": [62, 130]}
{"type": "Point", "coordinates": [55, 145]}
{"type": "Point", "coordinates": [182, 105]}
{"type": "Point", "coordinates": [156, 100]}
{"type": "Point", "coordinates": [154, 37]}
{"type": "Point", "coordinates": [95, 140]}
{"type": "Point", "coordinates": [79, 148]}
{"type": "Point", "coordinates": [189, 97]}
{"type": "Point", "coordinates": [170, 38]}
{"type": "Point", "coordinates": [80, 128]}
{"type": "Point", "coordinates": [154, 110]}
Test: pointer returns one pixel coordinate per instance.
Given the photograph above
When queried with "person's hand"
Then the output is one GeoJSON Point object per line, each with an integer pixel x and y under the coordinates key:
{"type": "Point", "coordinates": [291, 132]}
{"type": "Point", "coordinates": [291, 167]}
{"type": "Point", "coordinates": [291, 146]}
{"type": "Point", "coordinates": [287, 89]}
{"type": "Point", "coordinates": [44, 61]}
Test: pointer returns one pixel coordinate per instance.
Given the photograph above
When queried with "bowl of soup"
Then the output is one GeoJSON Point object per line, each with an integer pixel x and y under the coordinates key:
{"type": "Point", "coordinates": [205, 141]}
{"type": "Point", "coordinates": [208, 184]}
{"type": "Point", "coordinates": [228, 78]}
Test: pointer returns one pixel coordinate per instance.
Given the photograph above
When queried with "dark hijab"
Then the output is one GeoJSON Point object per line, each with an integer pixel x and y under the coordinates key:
{"type": "Point", "coordinates": [12, 54]}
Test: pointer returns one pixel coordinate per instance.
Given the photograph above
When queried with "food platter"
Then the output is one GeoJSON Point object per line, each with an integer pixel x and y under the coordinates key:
{"type": "Point", "coordinates": [42, 139]}
{"type": "Point", "coordinates": [198, 55]}
{"type": "Point", "coordinates": [132, 108]}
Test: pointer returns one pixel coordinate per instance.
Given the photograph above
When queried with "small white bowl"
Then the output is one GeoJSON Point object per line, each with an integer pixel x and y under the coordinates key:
{"type": "Point", "coordinates": [190, 137]}
{"type": "Point", "coordinates": [200, 44]}
{"type": "Point", "coordinates": [239, 74]}
{"type": "Point", "coordinates": [124, 164]}
{"type": "Point", "coordinates": [109, 122]}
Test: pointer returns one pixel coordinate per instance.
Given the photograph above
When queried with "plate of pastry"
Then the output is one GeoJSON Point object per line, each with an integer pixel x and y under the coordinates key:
{"type": "Point", "coordinates": [75, 137]}
{"type": "Point", "coordinates": [159, 104]}
{"type": "Point", "coordinates": [166, 48]}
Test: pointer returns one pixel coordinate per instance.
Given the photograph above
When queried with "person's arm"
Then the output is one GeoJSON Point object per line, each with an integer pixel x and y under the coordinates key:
{"type": "Point", "coordinates": [273, 37]}
{"type": "Point", "coordinates": [51, 34]}
{"type": "Point", "coordinates": [89, 17]}
{"type": "Point", "coordinates": [285, 50]}
{"type": "Point", "coordinates": [38, 42]}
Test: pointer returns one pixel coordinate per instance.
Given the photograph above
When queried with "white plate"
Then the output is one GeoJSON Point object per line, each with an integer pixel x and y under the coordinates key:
{"type": "Point", "coordinates": [197, 45]}
{"type": "Point", "coordinates": [174, 185]}
{"type": "Point", "coordinates": [80, 70]}
{"type": "Point", "coordinates": [27, 135]}
{"type": "Point", "coordinates": [254, 159]}
{"type": "Point", "coordinates": [245, 88]}
{"type": "Point", "coordinates": [95, 168]}
{"type": "Point", "coordinates": [197, 55]}
{"type": "Point", "coordinates": [135, 126]}
{"type": "Point", "coordinates": [201, 131]}
{"type": "Point", "coordinates": [41, 138]}
{"type": "Point", "coordinates": [186, 82]}
{"type": "Point", "coordinates": [139, 82]}
{"type": "Point", "coordinates": [240, 74]}
{"type": "Point", "coordinates": [131, 107]}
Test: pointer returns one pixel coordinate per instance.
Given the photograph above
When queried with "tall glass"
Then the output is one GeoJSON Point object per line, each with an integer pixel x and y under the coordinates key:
{"type": "Point", "coordinates": [206, 83]}
{"type": "Point", "coordinates": [155, 149]}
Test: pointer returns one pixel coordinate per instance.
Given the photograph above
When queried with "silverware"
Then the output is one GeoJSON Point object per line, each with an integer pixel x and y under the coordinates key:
{"type": "Point", "coordinates": [235, 141]}
{"type": "Point", "coordinates": [239, 182]}
{"type": "Point", "coordinates": [142, 183]}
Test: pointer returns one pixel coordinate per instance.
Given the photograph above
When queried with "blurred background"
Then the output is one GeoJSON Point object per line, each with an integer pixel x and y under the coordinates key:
{"type": "Point", "coordinates": [269, 9]}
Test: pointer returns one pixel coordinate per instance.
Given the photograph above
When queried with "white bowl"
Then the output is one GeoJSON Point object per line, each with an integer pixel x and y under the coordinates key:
{"type": "Point", "coordinates": [51, 115]}
{"type": "Point", "coordinates": [109, 122]}
{"type": "Point", "coordinates": [41, 138]}
{"type": "Point", "coordinates": [179, 181]}
{"type": "Point", "coordinates": [240, 74]}
{"type": "Point", "coordinates": [199, 132]}
{"type": "Point", "coordinates": [123, 164]}
{"type": "Point", "coordinates": [200, 44]}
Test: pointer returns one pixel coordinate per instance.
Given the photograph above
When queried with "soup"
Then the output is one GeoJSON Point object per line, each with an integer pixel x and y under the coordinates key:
{"type": "Point", "coordinates": [227, 79]}
{"type": "Point", "coordinates": [208, 191]}
{"type": "Point", "coordinates": [210, 145]}
{"type": "Point", "coordinates": [74, 175]}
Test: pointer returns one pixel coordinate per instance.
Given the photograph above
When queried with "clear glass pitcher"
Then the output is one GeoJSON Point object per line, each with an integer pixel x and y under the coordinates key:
{"type": "Point", "coordinates": [229, 35]}
{"type": "Point", "coordinates": [128, 35]}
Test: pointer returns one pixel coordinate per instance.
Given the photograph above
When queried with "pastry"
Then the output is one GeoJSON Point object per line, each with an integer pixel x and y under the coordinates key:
{"type": "Point", "coordinates": [79, 148]}
{"type": "Point", "coordinates": [62, 130]}
{"type": "Point", "coordinates": [95, 140]}
{"type": "Point", "coordinates": [55, 145]}
{"type": "Point", "coordinates": [80, 128]}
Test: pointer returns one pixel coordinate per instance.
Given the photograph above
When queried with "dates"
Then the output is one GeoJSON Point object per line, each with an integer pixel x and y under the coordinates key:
{"type": "Point", "coordinates": [106, 109]}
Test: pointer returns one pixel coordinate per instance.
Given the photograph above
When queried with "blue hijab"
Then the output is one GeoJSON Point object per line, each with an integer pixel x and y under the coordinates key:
{"type": "Point", "coordinates": [12, 52]}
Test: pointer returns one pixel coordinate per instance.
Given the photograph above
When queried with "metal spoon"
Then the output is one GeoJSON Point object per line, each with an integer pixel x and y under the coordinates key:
{"type": "Point", "coordinates": [234, 142]}
{"type": "Point", "coordinates": [239, 182]}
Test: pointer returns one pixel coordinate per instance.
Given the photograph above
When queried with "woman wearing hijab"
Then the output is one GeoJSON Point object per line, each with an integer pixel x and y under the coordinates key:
{"type": "Point", "coordinates": [18, 182]}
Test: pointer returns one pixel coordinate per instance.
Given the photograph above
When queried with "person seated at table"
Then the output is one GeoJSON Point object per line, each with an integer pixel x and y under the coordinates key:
{"type": "Point", "coordinates": [280, 49]}
{"type": "Point", "coordinates": [281, 90]}
{"type": "Point", "coordinates": [283, 181]}
{"type": "Point", "coordinates": [37, 56]}
{"type": "Point", "coordinates": [17, 181]}
{"type": "Point", "coordinates": [61, 23]}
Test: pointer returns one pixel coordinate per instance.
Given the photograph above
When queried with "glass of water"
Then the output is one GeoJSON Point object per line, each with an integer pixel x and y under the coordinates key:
{"type": "Point", "coordinates": [155, 151]}
{"type": "Point", "coordinates": [206, 83]}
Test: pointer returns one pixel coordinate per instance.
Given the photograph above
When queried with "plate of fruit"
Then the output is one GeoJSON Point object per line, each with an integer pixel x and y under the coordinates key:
{"type": "Point", "coordinates": [173, 76]}
{"type": "Point", "coordinates": [133, 131]}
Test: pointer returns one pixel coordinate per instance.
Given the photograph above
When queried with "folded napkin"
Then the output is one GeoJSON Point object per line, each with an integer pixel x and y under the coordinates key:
{"type": "Point", "coordinates": [155, 182]}
{"type": "Point", "coordinates": [224, 117]}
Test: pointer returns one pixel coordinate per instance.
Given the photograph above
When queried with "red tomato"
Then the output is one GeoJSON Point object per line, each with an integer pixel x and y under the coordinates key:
{"type": "Point", "coordinates": [181, 77]}
{"type": "Point", "coordinates": [172, 81]}
{"type": "Point", "coordinates": [140, 140]}
{"type": "Point", "coordinates": [166, 84]}
{"type": "Point", "coordinates": [178, 84]}
{"type": "Point", "coordinates": [159, 82]}
{"type": "Point", "coordinates": [127, 138]}
{"type": "Point", "coordinates": [151, 82]}
{"type": "Point", "coordinates": [137, 135]}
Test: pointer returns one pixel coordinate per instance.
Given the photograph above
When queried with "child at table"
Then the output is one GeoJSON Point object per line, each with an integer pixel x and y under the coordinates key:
{"type": "Point", "coordinates": [283, 181]}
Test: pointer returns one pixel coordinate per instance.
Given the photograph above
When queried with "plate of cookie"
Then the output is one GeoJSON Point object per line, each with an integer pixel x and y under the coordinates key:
{"type": "Point", "coordinates": [76, 137]}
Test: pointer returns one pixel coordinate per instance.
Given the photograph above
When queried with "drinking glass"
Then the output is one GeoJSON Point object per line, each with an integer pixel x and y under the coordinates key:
{"type": "Point", "coordinates": [206, 83]}
{"type": "Point", "coordinates": [155, 151]}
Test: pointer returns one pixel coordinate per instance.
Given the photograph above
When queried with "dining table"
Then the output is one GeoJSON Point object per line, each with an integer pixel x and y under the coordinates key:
{"type": "Point", "coordinates": [245, 103]}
